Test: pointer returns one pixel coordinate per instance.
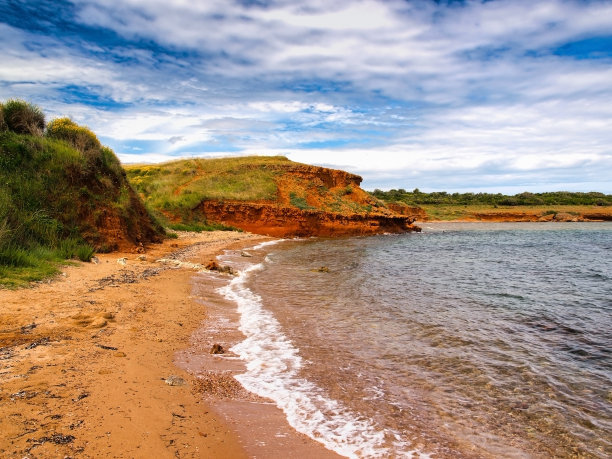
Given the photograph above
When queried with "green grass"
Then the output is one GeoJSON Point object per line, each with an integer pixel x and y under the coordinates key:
{"type": "Point", "coordinates": [299, 201]}
{"type": "Point", "coordinates": [178, 187]}
{"type": "Point", "coordinates": [56, 191]}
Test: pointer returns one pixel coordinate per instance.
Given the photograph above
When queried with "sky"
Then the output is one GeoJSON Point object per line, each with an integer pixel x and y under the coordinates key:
{"type": "Point", "coordinates": [483, 96]}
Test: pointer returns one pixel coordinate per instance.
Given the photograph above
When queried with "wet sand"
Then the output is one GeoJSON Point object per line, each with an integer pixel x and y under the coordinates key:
{"type": "Point", "coordinates": [86, 361]}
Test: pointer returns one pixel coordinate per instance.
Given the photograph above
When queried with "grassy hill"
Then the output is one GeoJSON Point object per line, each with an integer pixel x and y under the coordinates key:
{"type": "Point", "coordinates": [175, 190]}
{"type": "Point", "coordinates": [62, 195]}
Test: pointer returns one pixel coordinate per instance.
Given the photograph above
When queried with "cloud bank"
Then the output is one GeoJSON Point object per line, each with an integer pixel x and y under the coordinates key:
{"type": "Point", "coordinates": [494, 96]}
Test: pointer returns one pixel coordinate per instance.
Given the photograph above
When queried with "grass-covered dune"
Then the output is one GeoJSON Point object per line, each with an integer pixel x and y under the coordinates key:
{"type": "Point", "coordinates": [62, 195]}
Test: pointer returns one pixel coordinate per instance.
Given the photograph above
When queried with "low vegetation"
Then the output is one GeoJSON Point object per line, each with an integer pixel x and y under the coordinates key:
{"type": "Point", "coordinates": [458, 206]}
{"type": "Point", "coordinates": [56, 189]}
{"type": "Point", "coordinates": [559, 198]}
{"type": "Point", "coordinates": [172, 191]}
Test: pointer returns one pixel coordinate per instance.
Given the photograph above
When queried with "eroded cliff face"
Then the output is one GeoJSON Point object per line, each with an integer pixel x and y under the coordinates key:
{"type": "Point", "coordinates": [312, 201]}
{"type": "Point", "coordinates": [283, 221]}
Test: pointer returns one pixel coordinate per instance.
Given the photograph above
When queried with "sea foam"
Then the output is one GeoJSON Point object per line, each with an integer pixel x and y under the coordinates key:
{"type": "Point", "coordinates": [273, 365]}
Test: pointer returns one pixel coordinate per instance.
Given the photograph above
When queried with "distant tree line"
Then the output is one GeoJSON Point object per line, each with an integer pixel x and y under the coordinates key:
{"type": "Point", "coordinates": [417, 197]}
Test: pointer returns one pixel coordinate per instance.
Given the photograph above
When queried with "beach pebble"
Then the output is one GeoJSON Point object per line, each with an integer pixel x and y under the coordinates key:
{"type": "Point", "coordinates": [217, 349]}
{"type": "Point", "coordinates": [174, 380]}
{"type": "Point", "coordinates": [322, 269]}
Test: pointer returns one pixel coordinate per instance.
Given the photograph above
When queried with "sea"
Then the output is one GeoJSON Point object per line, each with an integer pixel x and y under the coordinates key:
{"type": "Point", "coordinates": [488, 340]}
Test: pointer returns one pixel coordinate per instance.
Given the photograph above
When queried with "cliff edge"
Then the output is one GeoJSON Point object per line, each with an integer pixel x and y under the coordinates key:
{"type": "Point", "coordinates": [266, 195]}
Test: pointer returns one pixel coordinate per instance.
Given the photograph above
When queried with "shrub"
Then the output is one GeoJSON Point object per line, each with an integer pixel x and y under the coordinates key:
{"type": "Point", "coordinates": [84, 252]}
{"type": "Point", "coordinates": [80, 137]}
{"type": "Point", "coordinates": [2, 123]}
{"type": "Point", "coordinates": [23, 117]}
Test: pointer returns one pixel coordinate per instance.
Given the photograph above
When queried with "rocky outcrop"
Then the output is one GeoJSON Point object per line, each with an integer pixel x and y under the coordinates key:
{"type": "Point", "coordinates": [598, 216]}
{"type": "Point", "coordinates": [518, 216]}
{"type": "Point", "coordinates": [330, 178]}
{"type": "Point", "coordinates": [283, 221]}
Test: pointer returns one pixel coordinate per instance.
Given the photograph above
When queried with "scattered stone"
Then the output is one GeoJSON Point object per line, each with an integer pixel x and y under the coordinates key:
{"type": "Point", "coordinates": [25, 394]}
{"type": "Point", "coordinates": [217, 349]}
{"type": "Point", "coordinates": [108, 348]}
{"type": "Point", "coordinates": [214, 266]}
{"type": "Point", "coordinates": [95, 260]}
{"type": "Point", "coordinates": [125, 277]}
{"type": "Point", "coordinates": [174, 380]}
{"type": "Point", "coordinates": [122, 261]}
{"type": "Point", "coordinates": [40, 342]}
{"type": "Point", "coordinates": [142, 258]}
{"type": "Point", "coordinates": [245, 254]}
{"type": "Point", "coordinates": [80, 397]}
{"type": "Point", "coordinates": [179, 264]}
{"type": "Point", "coordinates": [108, 315]}
{"type": "Point", "coordinates": [119, 354]}
{"type": "Point", "coordinates": [76, 424]}
{"type": "Point", "coordinates": [322, 269]}
{"type": "Point", "coordinates": [56, 438]}
{"type": "Point", "coordinates": [28, 328]}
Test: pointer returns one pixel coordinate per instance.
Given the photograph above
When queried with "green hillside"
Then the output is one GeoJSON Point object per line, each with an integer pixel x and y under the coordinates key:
{"type": "Point", "coordinates": [62, 195]}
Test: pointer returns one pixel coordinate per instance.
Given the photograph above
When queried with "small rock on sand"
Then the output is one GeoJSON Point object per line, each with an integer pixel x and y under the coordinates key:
{"type": "Point", "coordinates": [217, 349]}
{"type": "Point", "coordinates": [174, 380]}
{"type": "Point", "coordinates": [122, 261]}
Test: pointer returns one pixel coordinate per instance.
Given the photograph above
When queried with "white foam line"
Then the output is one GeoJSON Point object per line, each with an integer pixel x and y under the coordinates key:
{"type": "Point", "coordinates": [273, 364]}
{"type": "Point", "coordinates": [266, 244]}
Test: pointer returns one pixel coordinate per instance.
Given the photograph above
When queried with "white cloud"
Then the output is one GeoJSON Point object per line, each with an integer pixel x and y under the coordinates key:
{"type": "Point", "coordinates": [407, 89]}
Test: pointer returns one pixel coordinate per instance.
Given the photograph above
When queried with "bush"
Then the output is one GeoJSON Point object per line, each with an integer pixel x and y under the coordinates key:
{"type": "Point", "coordinates": [85, 252]}
{"type": "Point", "coordinates": [80, 137]}
{"type": "Point", "coordinates": [2, 123]}
{"type": "Point", "coordinates": [23, 117]}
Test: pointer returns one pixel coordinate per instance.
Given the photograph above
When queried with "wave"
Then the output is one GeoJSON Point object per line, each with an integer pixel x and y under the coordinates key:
{"type": "Point", "coordinates": [273, 364]}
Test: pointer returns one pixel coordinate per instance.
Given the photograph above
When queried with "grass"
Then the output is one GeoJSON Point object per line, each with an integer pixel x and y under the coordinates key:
{"type": "Point", "coordinates": [56, 191]}
{"type": "Point", "coordinates": [299, 201]}
{"type": "Point", "coordinates": [178, 187]}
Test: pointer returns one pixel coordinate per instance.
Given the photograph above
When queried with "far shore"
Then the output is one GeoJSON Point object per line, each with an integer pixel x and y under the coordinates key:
{"type": "Point", "coordinates": [89, 361]}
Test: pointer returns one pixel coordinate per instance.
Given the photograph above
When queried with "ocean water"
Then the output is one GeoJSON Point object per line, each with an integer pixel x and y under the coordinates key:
{"type": "Point", "coordinates": [466, 340]}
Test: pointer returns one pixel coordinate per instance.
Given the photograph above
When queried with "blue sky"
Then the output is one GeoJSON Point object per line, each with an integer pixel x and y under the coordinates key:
{"type": "Point", "coordinates": [501, 96]}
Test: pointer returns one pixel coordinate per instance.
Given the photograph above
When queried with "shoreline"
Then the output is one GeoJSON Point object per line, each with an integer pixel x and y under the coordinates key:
{"type": "Point", "coordinates": [88, 360]}
{"type": "Point", "coordinates": [260, 426]}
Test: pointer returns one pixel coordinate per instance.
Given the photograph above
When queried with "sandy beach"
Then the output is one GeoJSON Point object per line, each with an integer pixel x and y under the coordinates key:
{"type": "Point", "coordinates": [93, 364]}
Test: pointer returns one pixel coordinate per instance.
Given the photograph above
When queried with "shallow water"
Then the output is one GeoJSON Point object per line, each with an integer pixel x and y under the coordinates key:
{"type": "Point", "coordinates": [467, 340]}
